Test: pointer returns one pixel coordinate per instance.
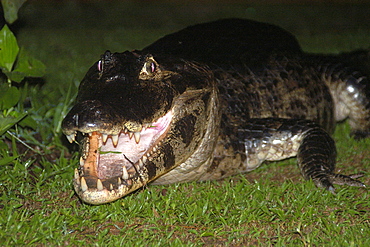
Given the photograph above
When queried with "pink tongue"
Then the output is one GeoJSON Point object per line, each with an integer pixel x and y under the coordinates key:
{"type": "Point", "coordinates": [128, 152]}
{"type": "Point", "coordinates": [111, 159]}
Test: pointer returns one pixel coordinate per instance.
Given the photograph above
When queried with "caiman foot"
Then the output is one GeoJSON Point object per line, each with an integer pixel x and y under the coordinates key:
{"type": "Point", "coordinates": [327, 180]}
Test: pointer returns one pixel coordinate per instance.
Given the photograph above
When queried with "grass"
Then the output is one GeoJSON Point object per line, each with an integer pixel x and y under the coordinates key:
{"type": "Point", "coordinates": [270, 206]}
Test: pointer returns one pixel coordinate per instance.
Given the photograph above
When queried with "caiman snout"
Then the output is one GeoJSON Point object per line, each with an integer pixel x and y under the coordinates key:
{"type": "Point", "coordinates": [89, 116]}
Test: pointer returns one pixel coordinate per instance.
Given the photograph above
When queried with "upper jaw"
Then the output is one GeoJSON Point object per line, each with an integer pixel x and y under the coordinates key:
{"type": "Point", "coordinates": [114, 164]}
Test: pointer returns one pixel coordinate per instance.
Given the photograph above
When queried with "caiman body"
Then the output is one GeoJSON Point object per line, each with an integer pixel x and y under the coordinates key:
{"type": "Point", "coordinates": [210, 101]}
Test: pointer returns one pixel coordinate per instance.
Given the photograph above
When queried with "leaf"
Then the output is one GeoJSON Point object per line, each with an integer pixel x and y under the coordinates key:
{"type": "Point", "coordinates": [109, 152]}
{"type": "Point", "coordinates": [11, 8]}
{"type": "Point", "coordinates": [8, 49]}
{"type": "Point", "coordinates": [26, 66]}
{"type": "Point", "coordinates": [14, 76]}
{"type": "Point", "coordinates": [7, 122]}
{"type": "Point", "coordinates": [29, 122]}
{"type": "Point", "coordinates": [9, 96]}
{"type": "Point", "coordinates": [7, 160]}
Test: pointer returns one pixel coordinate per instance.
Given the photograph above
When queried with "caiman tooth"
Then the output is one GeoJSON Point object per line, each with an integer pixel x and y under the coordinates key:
{"type": "Point", "coordinates": [82, 161]}
{"type": "Point", "coordinates": [115, 139]}
{"type": "Point", "coordinates": [154, 149]}
{"type": "Point", "coordinates": [147, 126]}
{"type": "Point", "coordinates": [105, 137]}
{"type": "Point", "coordinates": [119, 181]}
{"type": "Point", "coordinates": [144, 159]}
{"type": "Point", "coordinates": [137, 137]}
{"type": "Point", "coordinates": [111, 186]}
{"type": "Point", "coordinates": [71, 137]}
{"type": "Point", "coordinates": [99, 184]}
{"type": "Point", "coordinates": [124, 173]}
{"type": "Point", "coordinates": [141, 164]}
{"type": "Point", "coordinates": [77, 176]}
{"type": "Point", "coordinates": [83, 184]}
{"type": "Point", "coordinates": [90, 134]}
{"type": "Point", "coordinates": [130, 134]}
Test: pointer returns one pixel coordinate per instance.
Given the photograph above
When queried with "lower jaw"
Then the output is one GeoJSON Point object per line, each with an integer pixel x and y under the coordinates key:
{"type": "Point", "coordinates": [96, 196]}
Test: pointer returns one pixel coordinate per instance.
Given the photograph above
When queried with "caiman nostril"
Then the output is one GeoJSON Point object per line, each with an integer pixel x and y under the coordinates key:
{"type": "Point", "coordinates": [75, 118]}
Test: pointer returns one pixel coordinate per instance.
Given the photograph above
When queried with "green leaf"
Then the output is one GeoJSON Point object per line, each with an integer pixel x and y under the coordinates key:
{"type": "Point", "coordinates": [7, 160]}
{"type": "Point", "coordinates": [15, 76]}
{"type": "Point", "coordinates": [29, 122]}
{"type": "Point", "coordinates": [11, 8]}
{"type": "Point", "coordinates": [8, 49]}
{"type": "Point", "coordinates": [3, 146]}
{"type": "Point", "coordinates": [8, 121]}
{"type": "Point", "coordinates": [109, 152]}
{"type": "Point", "coordinates": [27, 66]}
{"type": "Point", "coordinates": [9, 96]}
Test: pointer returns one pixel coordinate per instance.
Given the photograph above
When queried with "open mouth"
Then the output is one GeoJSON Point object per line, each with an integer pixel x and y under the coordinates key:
{"type": "Point", "coordinates": [111, 164]}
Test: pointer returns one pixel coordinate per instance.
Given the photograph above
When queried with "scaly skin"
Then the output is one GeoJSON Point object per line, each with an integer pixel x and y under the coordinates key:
{"type": "Point", "coordinates": [211, 101]}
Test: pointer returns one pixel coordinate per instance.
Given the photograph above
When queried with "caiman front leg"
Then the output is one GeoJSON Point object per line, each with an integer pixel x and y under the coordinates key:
{"type": "Point", "coordinates": [272, 139]}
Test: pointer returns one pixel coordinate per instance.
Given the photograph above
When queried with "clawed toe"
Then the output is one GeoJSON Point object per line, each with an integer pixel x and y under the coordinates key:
{"type": "Point", "coordinates": [347, 180]}
{"type": "Point", "coordinates": [330, 179]}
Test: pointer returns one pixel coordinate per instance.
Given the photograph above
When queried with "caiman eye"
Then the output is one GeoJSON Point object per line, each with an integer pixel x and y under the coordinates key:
{"type": "Point", "coordinates": [149, 70]}
{"type": "Point", "coordinates": [152, 67]}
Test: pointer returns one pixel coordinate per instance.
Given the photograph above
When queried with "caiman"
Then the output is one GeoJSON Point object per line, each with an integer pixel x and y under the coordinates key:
{"type": "Point", "coordinates": [211, 101]}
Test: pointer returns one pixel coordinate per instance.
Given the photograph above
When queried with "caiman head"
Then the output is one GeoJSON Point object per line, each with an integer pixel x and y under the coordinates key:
{"type": "Point", "coordinates": [140, 117]}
